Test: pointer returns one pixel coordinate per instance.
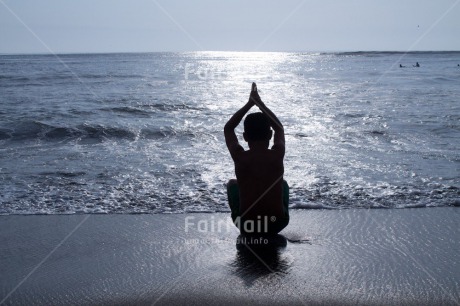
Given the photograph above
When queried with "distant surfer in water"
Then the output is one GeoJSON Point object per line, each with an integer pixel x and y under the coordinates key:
{"type": "Point", "coordinates": [417, 65]}
{"type": "Point", "coordinates": [401, 66]}
{"type": "Point", "coordinates": [259, 196]}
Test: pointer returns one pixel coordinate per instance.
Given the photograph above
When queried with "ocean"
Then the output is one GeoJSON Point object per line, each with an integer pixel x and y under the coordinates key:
{"type": "Point", "coordinates": [143, 132]}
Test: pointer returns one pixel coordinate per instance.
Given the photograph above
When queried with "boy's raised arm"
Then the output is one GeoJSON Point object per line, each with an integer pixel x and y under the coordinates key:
{"type": "Point", "coordinates": [229, 130]}
{"type": "Point", "coordinates": [275, 123]}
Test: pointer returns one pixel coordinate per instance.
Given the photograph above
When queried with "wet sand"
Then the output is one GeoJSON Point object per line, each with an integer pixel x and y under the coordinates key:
{"type": "Point", "coordinates": [355, 256]}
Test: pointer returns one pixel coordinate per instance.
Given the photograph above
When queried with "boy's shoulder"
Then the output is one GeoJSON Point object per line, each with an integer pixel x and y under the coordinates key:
{"type": "Point", "coordinates": [260, 155]}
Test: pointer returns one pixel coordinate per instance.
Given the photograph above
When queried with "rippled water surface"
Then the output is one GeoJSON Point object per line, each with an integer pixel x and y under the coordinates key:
{"type": "Point", "coordinates": [144, 132]}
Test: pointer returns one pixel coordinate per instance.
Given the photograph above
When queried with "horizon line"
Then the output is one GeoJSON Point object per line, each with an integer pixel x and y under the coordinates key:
{"type": "Point", "coordinates": [226, 51]}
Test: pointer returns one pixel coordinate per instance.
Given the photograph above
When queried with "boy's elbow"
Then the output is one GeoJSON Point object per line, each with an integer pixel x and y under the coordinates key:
{"type": "Point", "coordinates": [228, 128]}
{"type": "Point", "coordinates": [278, 128]}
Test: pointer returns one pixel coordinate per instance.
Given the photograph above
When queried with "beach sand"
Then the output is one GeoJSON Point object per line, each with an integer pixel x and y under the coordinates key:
{"type": "Point", "coordinates": [354, 256]}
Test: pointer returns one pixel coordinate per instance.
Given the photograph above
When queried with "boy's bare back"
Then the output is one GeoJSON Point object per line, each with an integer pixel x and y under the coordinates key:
{"type": "Point", "coordinates": [259, 173]}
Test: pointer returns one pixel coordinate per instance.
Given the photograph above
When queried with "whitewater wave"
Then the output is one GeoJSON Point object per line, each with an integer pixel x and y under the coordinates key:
{"type": "Point", "coordinates": [36, 130]}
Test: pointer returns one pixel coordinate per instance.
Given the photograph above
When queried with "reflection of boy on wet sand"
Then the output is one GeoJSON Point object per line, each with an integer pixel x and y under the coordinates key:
{"type": "Point", "coordinates": [259, 196]}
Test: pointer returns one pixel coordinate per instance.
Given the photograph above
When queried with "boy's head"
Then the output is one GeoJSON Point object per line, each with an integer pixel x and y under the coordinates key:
{"type": "Point", "coordinates": [257, 127]}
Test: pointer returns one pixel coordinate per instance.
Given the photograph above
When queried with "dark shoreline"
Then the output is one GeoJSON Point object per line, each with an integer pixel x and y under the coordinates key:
{"type": "Point", "coordinates": [353, 256]}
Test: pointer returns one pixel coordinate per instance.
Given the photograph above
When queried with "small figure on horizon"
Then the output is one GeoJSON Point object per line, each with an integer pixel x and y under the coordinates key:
{"type": "Point", "coordinates": [417, 64]}
{"type": "Point", "coordinates": [259, 196]}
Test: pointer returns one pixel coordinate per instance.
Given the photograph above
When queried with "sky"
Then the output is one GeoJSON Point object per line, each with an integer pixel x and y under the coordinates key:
{"type": "Point", "coordinates": [83, 26]}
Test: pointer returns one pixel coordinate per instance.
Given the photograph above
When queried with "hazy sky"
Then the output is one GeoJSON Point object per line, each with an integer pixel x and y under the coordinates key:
{"type": "Point", "coordinates": [44, 26]}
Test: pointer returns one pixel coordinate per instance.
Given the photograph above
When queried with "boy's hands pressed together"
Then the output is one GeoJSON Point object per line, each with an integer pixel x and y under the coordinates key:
{"type": "Point", "coordinates": [254, 97]}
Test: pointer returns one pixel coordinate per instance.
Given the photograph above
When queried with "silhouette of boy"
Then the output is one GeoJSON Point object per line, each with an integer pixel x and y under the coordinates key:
{"type": "Point", "coordinates": [259, 196]}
